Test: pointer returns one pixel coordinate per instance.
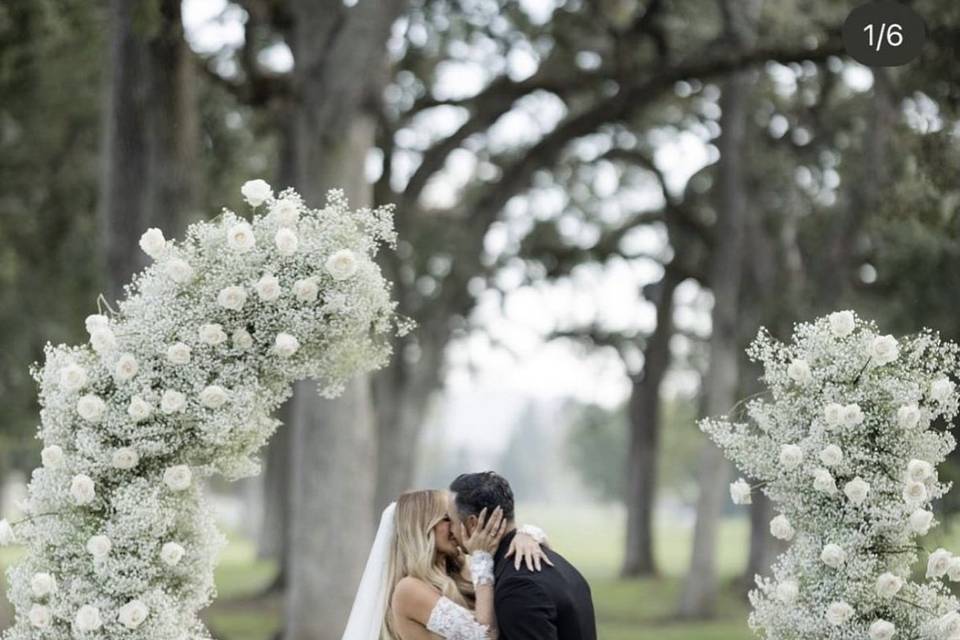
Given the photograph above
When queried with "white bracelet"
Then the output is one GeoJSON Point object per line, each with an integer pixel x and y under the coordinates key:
{"type": "Point", "coordinates": [481, 568]}
{"type": "Point", "coordinates": [539, 535]}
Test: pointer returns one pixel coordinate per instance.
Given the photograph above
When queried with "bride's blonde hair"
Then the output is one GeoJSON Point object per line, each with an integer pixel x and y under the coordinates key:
{"type": "Point", "coordinates": [414, 553]}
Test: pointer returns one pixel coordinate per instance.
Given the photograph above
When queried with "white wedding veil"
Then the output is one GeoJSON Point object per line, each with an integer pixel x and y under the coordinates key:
{"type": "Point", "coordinates": [370, 605]}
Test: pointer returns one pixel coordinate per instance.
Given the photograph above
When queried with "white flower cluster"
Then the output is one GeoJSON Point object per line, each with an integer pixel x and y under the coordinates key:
{"type": "Point", "coordinates": [180, 384]}
{"type": "Point", "coordinates": [847, 447]}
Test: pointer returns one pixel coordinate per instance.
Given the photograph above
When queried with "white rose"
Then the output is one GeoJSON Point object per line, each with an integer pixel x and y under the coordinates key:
{"type": "Point", "coordinates": [881, 630]}
{"type": "Point", "coordinates": [953, 570]}
{"type": "Point", "coordinates": [286, 241]}
{"type": "Point", "coordinates": [823, 481]}
{"type": "Point", "coordinates": [908, 416]}
{"type": "Point", "coordinates": [82, 489]}
{"type": "Point", "coordinates": [40, 616]}
{"type": "Point", "coordinates": [99, 546]}
{"type": "Point", "coordinates": [787, 591]}
{"type": "Point", "coordinates": [781, 528]}
{"type": "Point", "coordinates": [342, 264]}
{"type": "Point", "coordinates": [286, 345]}
{"type": "Point", "coordinates": [242, 339]}
{"type": "Point", "coordinates": [842, 323]}
{"type": "Point", "coordinates": [52, 456]}
{"type": "Point", "coordinates": [171, 553]}
{"type": "Point", "coordinates": [920, 521]}
{"type": "Point", "coordinates": [127, 367]}
{"type": "Point", "coordinates": [88, 618]}
{"type": "Point", "coordinates": [179, 270]}
{"type": "Point", "coordinates": [96, 321]}
{"type": "Point", "coordinates": [852, 415]}
{"type": "Point", "coordinates": [240, 237]}
{"type": "Point", "coordinates": [941, 390]}
{"type": "Point", "coordinates": [915, 492]}
{"type": "Point", "coordinates": [256, 192]}
{"type": "Point", "coordinates": [839, 612]}
{"type": "Point", "coordinates": [232, 298]}
{"type": "Point", "coordinates": [91, 408]}
{"type": "Point", "coordinates": [833, 414]}
{"type": "Point", "coordinates": [791, 456]}
{"type": "Point", "coordinates": [178, 353]}
{"type": "Point", "coordinates": [919, 470]}
{"type": "Point", "coordinates": [213, 396]}
{"type": "Point", "coordinates": [833, 556]}
{"type": "Point", "coordinates": [153, 243]}
{"type": "Point", "coordinates": [43, 583]}
{"type": "Point", "coordinates": [73, 377]}
{"type": "Point", "coordinates": [938, 563]}
{"type": "Point", "coordinates": [132, 614]}
{"type": "Point", "coordinates": [287, 212]}
{"type": "Point", "coordinates": [178, 477]}
{"type": "Point", "coordinates": [139, 409]}
{"type": "Point", "coordinates": [268, 288]}
{"type": "Point", "coordinates": [950, 625]}
{"type": "Point", "coordinates": [306, 290]}
{"type": "Point", "coordinates": [857, 490]}
{"type": "Point", "coordinates": [740, 492]}
{"type": "Point", "coordinates": [212, 334]}
{"type": "Point", "coordinates": [103, 340]}
{"type": "Point", "coordinates": [884, 349]}
{"type": "Point", "coordinates": [799, 371]}
{"type": "Point", "coordinates": [888, 585]}
{"type": "Point", "coordinates": [7, 536]}
{"type": "Point", "coordinates": [125, 458]}
{"type": "Point", "coordinates": [172, 401]}
{"type": "Point", "coordinates": [831, 455]}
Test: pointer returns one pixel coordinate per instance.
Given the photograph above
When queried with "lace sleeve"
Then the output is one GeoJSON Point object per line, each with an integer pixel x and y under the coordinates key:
{"type": "Point", "coordinates": [453, 622]}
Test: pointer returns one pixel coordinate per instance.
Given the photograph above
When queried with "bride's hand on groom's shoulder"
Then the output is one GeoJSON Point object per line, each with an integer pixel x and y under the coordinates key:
{"type": "Point", "coordinates": [487, 534]}
{"type": "Point", "coordinates": [526, 550]}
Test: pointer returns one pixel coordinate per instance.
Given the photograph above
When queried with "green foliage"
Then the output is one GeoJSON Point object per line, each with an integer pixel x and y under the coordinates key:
{"type": "Point", "coordinates": [597, 449]}
{"type": "Point", "coordinates": [51, 63]}
{"type": "Point", "coordinates": [598, 445]}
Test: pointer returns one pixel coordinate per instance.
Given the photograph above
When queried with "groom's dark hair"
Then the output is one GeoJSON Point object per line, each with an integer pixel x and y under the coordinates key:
{"type": "Point", "coordinates": [478, 491]}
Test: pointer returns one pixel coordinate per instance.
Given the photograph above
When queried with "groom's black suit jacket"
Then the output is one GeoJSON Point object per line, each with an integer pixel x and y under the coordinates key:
{"type": "Point", "coordinates": [553, 604]}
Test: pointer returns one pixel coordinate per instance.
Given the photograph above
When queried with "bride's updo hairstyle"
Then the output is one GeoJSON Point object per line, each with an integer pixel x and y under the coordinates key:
{"type": "Point", "coordinates": [414, 552]}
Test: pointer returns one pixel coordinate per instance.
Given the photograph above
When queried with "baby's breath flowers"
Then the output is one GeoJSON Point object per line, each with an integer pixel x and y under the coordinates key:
{"type": "Point", "coordinates": [178, 385]}
{"type": "Point", "coordinates": [847, 447]}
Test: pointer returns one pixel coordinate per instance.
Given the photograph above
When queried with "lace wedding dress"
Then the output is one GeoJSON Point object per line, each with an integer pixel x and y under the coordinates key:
{"type": "Point", "coordinates": [453, 622]}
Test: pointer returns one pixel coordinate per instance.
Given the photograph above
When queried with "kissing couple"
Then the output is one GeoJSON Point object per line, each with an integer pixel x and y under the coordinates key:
{"type": "Point", "coordinates": [454, 565]}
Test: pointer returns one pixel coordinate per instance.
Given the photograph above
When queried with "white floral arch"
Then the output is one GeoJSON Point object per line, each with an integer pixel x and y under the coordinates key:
{"type": "Point", "coordinates": [178, 384]}
{"type": "Point", "coordinates": [847, 448]}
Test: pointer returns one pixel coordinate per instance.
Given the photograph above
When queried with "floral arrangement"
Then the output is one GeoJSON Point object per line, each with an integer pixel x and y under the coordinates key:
{"type": "Point", "coordinates": [847, 448]}
{"type": "Point", "coordinates": [177, 385]}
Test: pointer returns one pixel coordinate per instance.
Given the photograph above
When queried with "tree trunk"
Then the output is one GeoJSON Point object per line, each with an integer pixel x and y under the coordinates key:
{"type": "Point", "coordinates": [340, 54]}
{"type": "Point", "coordinates": [644, 412]}
{"type": "Point", "coordinates": [273, 539]}
{"type": "Point", "coordinates": [401, 393]}
{"type": "Point", "coordinates": [720, 383]}
{"type": "Point", "coordinates": [151, 133]}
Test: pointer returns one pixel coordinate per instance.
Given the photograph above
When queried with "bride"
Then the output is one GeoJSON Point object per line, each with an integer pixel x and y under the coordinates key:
{"type": "Point", "coordinates": [418, 584]}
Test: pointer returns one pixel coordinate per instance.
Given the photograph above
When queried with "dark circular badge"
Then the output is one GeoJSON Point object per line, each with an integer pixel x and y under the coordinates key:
{"type": "Point", "coordinates": [884, 33]}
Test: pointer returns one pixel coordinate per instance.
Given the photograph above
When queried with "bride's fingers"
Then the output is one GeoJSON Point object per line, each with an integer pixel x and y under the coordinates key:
{"type": "Point", "coordinates": [482, 519]}
{"type": "Point", "coordinates": [494, 523]}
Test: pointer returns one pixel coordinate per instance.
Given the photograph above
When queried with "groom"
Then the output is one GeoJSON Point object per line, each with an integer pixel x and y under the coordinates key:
{"type": "Point", "coordinates": [553, 604]}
